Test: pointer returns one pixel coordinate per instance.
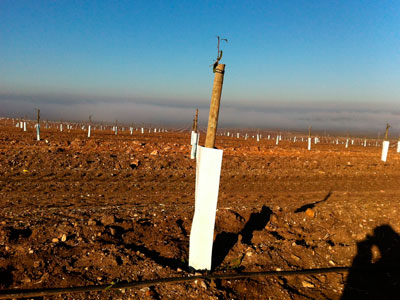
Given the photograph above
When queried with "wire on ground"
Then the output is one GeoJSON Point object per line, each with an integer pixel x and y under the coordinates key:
{"type": "Point", "coordinates": [29, 293]}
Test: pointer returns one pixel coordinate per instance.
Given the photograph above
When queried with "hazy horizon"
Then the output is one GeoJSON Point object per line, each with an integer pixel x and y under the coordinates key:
{"type": "Point", "coordinates": [340, 117]}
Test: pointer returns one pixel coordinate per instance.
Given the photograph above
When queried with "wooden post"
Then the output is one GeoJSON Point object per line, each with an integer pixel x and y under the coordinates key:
{"type": "Point", "coordinates": [387, 132]}
{"type": "Point", "coordinates": [214, 106]}
{"type": "Point", "coordinates": [309, 131]}
{"type": "Point", "coordinates": [196, 120]}
{"type": "Point", "coordinates": [38, 116]}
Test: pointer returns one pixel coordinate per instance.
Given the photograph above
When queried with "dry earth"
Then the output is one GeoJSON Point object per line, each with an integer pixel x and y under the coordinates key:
{"type": "Point", "coordinates": [77, 211]}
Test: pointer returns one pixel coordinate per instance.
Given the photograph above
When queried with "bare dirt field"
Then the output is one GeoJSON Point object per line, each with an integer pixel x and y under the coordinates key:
{"type": "Point", "coordinates": [79, 211]}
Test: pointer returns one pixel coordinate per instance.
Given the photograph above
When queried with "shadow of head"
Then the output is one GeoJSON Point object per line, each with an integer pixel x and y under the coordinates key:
{"type": "Point", "coordinates": [387, 241]}
{"type": "Point", "coordinates": [375, 272]}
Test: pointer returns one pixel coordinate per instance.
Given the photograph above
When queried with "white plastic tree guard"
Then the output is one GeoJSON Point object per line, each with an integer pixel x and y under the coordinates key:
{"type": "Point", "coordinates": [398, 147]}
{"type": "Point", "coordinates": [208, 172]}
{"type": "Point", "coordinates": [309, 144]}
{"type": "Point", "coordinates": [38, 132]}
{"type": "Point", "coordinates": [385, 149]}
{"type": "Point", "coordinates": [88, 131]}
{"type": "Point", "coordinates": [194, 141]}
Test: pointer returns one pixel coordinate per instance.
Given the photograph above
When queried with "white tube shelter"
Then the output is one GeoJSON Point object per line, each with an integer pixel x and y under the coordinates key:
{"type": "Point", "coordinates": [208, 172]}
{"type": "Point", "coordinates": [385, 148]}
{"type": "Point", "coordinates": [38, 132]}
{"type": "Point", "coordinates": [194, 141]}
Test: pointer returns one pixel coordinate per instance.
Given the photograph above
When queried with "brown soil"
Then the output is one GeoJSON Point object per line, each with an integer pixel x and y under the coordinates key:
{"type": "Point", "coordinates": [78, 211]}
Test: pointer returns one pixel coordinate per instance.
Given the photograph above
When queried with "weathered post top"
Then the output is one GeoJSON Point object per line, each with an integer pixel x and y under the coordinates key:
{"type": "Point", "coordinates": [387, 132]}
{"type": "Point", "coordinates": [196, 120]}
{"type": "Point", "coordinates": [90, 119]}
{"type": "Point", "coordinates": [309, 131]}
{"type": "Point", "coordinates": [214, 106]}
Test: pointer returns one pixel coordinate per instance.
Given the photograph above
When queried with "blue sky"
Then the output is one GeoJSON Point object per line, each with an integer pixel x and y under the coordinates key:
{"type": "Point", "coordinates": [333, 64]}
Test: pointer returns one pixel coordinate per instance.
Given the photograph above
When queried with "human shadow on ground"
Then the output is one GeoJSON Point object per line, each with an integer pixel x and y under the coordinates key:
{"type": "Point", "coordinates": [312, 205]}
{"type": "Point", "coordinates": [225, 241]}
{"type": "Point", "coordinates": [374, 276]}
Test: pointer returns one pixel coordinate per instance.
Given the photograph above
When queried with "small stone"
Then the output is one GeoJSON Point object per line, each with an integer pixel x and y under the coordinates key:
{"type": "Point", "coordinates": [179, 270]}
{"type": "Point", "coordinates": [332, 263]}
{"type": "Point", "coordinates": [55, 240]}
{"type": "Point", "coordinates": [203, 284]}
{"type": "Point", "coordinates": [307, 284]}
{"type": "Point", "coordinates": [310, 213]}
{"type": "Point", "coordinates": [107, 220]}
{"type": "Point", "coordinates": [296, 258]}
{"type": "Point", "coordinates": [248, 253]}
{"type": "Point", "coordinates": [99, 278]}
{"type": "Point", "coordinates": [149, 293]}
{"type": "Point", "coordinates": [64, 238]}
{"type": "Point", "coordinates": [91, 222]}
{"type": "Point", "coordinates": [197, 274]}
{"type": "Point", "coordinates": [36, 264]}
{"type": "Point", "coordinates": [274, 219]}
{"type": "Point", "coordinates": [155, 152]}
{"type": "Point", "coordinates": [213, 284]}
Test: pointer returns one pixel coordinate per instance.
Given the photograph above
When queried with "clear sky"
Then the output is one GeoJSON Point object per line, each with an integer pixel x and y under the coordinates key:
{"type": "Point", "coordinates": [331, 64]}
